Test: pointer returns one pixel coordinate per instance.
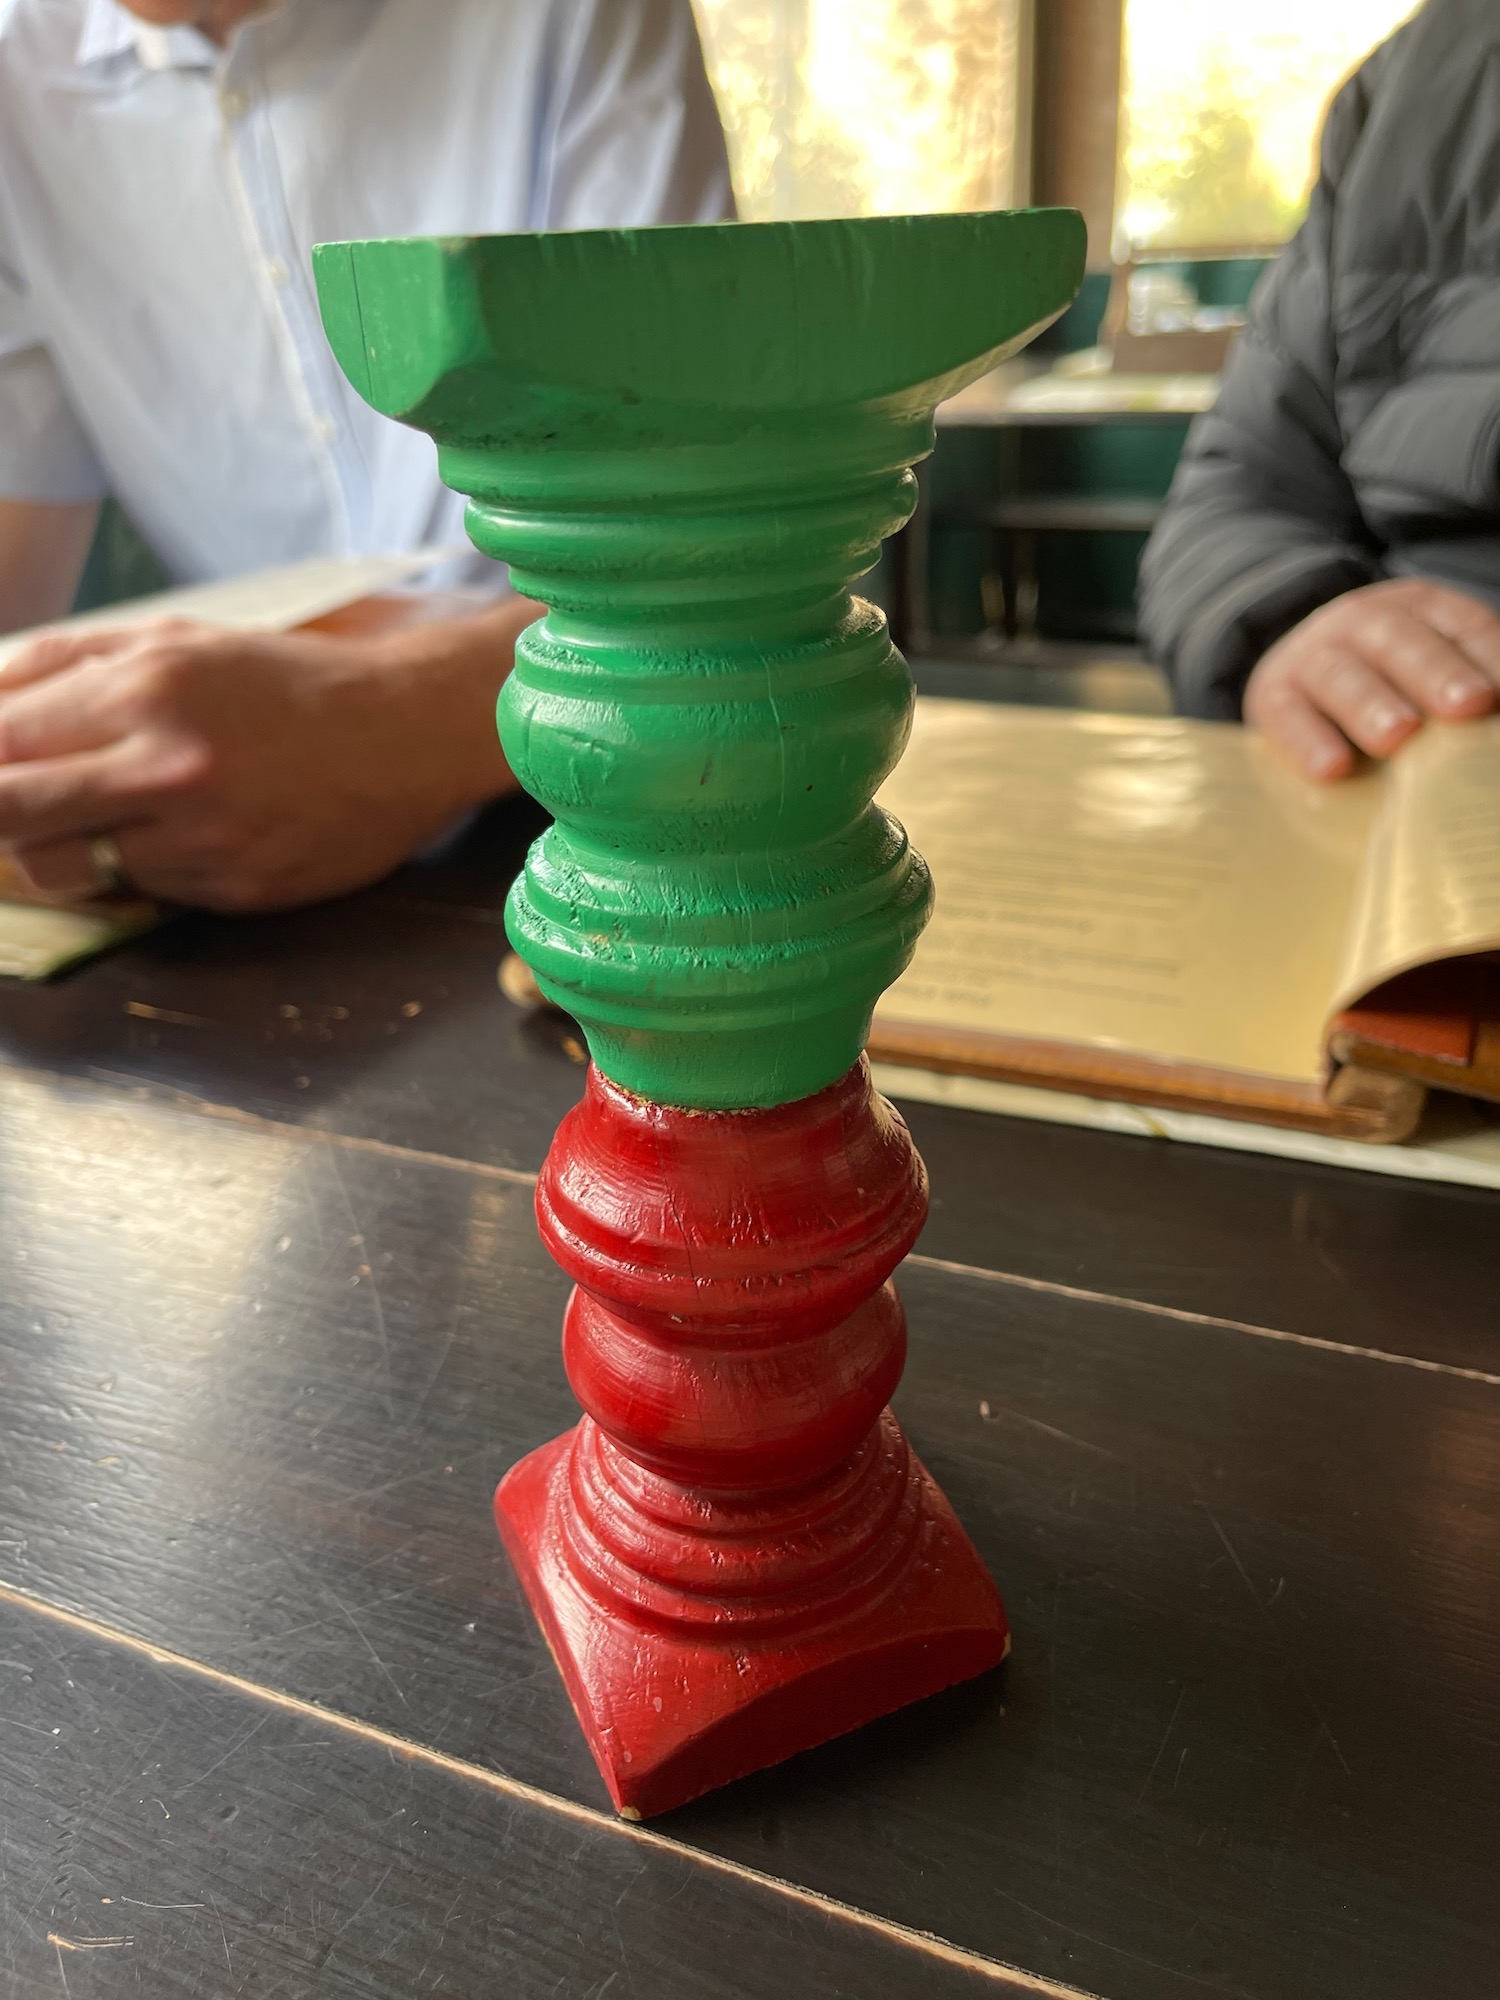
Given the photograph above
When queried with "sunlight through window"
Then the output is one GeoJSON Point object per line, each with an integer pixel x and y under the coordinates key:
{"type": "Point", "coordinates": [1222, 109]}
{"type": "Point", "coordinates": [866, 107]}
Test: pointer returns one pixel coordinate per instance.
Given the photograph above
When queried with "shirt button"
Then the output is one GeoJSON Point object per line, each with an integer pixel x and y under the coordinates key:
{"type": "Point", "coordinates": [235, 103]}
{"type": "Point", "coordinates": [277, 271]}
{"type": "Point", "coordinates": [326, 429]}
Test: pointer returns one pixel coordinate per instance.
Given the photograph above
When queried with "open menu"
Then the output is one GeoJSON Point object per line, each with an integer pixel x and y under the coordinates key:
{"type": "Point", "coordinates": [1164, 911]}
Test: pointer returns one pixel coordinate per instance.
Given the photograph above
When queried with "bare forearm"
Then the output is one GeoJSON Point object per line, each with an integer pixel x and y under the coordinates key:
{"type": "Point", "coordinates": [42, 552]}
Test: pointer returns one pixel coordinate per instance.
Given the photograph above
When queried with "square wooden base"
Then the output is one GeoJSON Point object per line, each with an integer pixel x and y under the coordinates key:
{"type": "Point", "coordinates": [669, 1714]}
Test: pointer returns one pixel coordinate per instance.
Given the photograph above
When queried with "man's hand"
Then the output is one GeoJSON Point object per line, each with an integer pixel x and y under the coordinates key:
{"type": "Point", "coordinates": [1363, 672]}
{"type": "Point", "coordinates": [248, 771]}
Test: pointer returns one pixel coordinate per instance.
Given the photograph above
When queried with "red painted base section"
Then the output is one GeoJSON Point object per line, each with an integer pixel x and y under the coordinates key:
{"type": "Point", "coordinates": [670, 1713]}
{"type": "Point", "coordinates": [735, 1555]}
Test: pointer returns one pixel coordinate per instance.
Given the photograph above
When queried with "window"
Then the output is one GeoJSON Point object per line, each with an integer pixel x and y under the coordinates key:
{"type": "Point", "coordinates": [1221, 109]}
{"type": "Point", "coordinates": [867, 107]}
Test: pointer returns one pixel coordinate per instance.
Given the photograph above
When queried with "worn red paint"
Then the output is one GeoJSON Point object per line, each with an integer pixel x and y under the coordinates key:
{"type": "Point", "coordinates": [735, 1555]}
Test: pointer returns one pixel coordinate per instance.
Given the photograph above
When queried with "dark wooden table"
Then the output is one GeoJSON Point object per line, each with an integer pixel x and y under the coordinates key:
{"type": "Point", "coordinates": [274, 1720]}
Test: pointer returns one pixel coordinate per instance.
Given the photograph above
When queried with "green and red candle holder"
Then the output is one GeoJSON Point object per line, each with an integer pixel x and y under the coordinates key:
{"type": "Point", "coordinates": [687, 442]}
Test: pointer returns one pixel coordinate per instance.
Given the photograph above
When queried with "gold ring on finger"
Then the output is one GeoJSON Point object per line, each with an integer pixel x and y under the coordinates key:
{"type": "Point", "coordinates": [107, 863]}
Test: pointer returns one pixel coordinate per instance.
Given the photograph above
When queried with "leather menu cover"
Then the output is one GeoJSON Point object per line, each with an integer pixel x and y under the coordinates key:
{"type": "Point", "coordinates": [1439, 1025]}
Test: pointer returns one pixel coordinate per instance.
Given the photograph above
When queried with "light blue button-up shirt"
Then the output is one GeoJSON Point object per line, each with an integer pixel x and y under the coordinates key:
{"type": "Point", "coordinates": [159, 197]}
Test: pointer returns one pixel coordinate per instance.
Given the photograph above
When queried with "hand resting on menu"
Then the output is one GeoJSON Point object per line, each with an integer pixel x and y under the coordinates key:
{"type": "Point", "coordinates": [248, 771]}
{"type": "Point", "coordinates": [1364, 671]}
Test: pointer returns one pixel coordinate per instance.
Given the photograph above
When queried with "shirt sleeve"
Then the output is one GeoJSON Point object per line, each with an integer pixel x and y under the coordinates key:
{"type": "Point", "coordinates": [635, 133]}
{"type": "Point", "coordinates": [44, 452]}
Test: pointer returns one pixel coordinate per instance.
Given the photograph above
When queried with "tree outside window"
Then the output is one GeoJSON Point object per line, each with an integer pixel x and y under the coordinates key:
{"type": "Point", "coordinates": [1221, 110]}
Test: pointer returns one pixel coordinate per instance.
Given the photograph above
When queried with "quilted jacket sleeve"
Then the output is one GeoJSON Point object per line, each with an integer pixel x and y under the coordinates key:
{"type": "Point", "coordinates": [1261, 526]}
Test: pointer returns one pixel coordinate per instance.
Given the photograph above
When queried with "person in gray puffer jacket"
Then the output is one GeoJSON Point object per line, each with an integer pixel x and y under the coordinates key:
{"type": "Point", "coordinates": [1328, 563]}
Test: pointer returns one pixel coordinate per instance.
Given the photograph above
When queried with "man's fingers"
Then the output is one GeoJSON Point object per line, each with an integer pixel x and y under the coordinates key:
{"type": "Point", "coordinates": [53, 652]}
{"type": "Point", "coordinates": [61, 870]}
{"type": "Point", "coordinates": [1472, 627]}
{"type": "Point", "coordinates": [1374, 715]}
{"type": "Point", "coordinates": [1280, 709]}
{"type": "Point", "coordinates": [158, 858]}
{"type": "Point", "coordinates": [178, 858]}
{"type": "Point", "coordinates": [60, 717]}
{"type": "Point", "coordinates": [56, 651]}
{"type": "Point", "coordinates": [56, 797]}
{"type": "Point", "coordinates": [1426, 664]}
{"type": "Point", "coordinates": [1367, 668]}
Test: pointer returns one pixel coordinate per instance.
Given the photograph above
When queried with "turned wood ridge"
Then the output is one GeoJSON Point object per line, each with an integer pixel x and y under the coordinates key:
{"type": "Point", "coordinates": [686, 443]}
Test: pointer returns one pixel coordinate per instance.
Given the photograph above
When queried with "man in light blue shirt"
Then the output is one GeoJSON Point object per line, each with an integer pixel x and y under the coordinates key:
{"type": "Point", "coordinates": [164, 172]}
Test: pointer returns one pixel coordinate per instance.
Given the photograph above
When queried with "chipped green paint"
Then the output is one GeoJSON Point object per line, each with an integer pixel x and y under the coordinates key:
{"type": "Point", "coordinates": [687, 443]}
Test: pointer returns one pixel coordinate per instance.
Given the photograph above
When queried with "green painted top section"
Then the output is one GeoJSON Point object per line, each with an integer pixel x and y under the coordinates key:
{"type": "Point", "coordinates": [687, 443]}
{"type": "Point", "coordinates": [497, 340]}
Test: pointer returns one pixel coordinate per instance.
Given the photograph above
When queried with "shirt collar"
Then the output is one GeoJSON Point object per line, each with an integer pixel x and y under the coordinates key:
{"type": "Point", "coordinates": [110, 30]}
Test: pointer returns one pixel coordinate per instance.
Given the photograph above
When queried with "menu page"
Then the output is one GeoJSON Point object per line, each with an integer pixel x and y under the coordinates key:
{"type": "Point", "coordinates": [1168, 888]}
{"type": "Point", "coordinates": [1432, 886]}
